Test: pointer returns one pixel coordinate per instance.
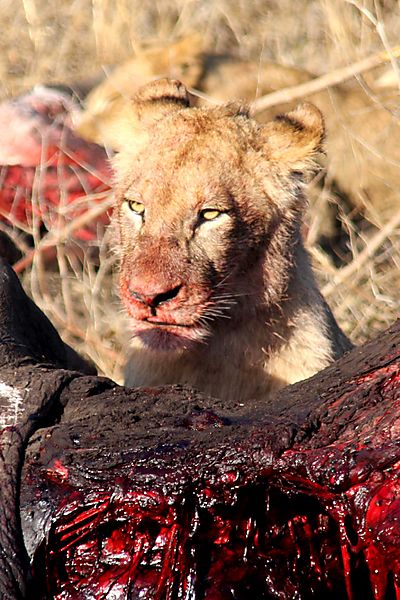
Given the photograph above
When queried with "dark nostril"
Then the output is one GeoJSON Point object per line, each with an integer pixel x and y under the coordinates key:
{"type": "Point", "coordinates": [166, 296]}
{"type": "Point", "coordinates": [154, 300]}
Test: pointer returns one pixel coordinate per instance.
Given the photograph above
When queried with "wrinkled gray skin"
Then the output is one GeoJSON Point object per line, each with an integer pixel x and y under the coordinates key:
{"type": "Point", "coordinates": [33, 360]}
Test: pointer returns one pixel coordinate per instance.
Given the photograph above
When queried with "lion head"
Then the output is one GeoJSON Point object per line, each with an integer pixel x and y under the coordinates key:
{"type": "Point", "coordinates": [208, 211]}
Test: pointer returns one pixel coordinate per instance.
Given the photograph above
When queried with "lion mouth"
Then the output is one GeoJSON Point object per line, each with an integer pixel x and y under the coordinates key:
{"type": "Point", "coordinates": [171, 324]}
{"type": "Point", "coordinates": [166, 329]}
{"type": "Point", "coordinates": [168, 336]}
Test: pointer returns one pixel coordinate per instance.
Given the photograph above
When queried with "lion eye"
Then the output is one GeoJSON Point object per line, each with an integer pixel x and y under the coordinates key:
{"type": "Point", "coordinates": [136, 207]}
{"type": "Point", "coordinates": [209, 214]}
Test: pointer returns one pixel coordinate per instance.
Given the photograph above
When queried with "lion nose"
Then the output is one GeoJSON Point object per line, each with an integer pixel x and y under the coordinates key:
{"type": "Point", "coordinates": [155, 298]}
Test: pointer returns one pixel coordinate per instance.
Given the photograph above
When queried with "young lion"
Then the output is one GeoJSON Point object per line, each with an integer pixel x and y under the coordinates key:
{"type": "Point", "coordinates": [214, 274]}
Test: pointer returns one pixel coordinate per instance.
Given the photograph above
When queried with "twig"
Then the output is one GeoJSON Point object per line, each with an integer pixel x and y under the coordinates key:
{"type": "Point", "coordinates": [206, 97]}
{"type": "Point", "coordinates": [379, 25]}
{"type": "Point", "coordinates": [51, 240]}
{"type": "Point", "coordinates": [324, 81]}
{"type": "Point", "coordinates": [369, 250]}
{"type": "Point", "coordinates": [95, 341]}
{"type": "Point", "coordinates": [87, 337]}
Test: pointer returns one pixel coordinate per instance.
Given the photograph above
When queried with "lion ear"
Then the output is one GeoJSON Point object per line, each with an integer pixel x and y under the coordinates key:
{"type": "Point", "coordinates": [295, 139]}
{"type": "Point", "coordinates": [151, 103]}
{"type": "Point", "coordinates": [157, 99]}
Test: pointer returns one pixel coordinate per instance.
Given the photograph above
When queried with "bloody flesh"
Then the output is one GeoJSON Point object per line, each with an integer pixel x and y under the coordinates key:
{"type": "Point", "coordinates": [201, 500]}
{"type": "Point", "coordinates": [49, 175]}
{"type": "Point", "coordinates": [167, 494]}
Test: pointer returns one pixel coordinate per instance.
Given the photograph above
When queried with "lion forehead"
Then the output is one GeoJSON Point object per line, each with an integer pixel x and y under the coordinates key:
{"type": "Point", "coordinates": [199, 132]}
{"type": "Point", "coordinates": [187, 174]}
{"type": "Point", "coordinates": [193, 160]}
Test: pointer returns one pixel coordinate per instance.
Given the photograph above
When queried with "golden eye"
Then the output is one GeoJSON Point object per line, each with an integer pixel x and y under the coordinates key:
{"type": "Point", "coordinates": [209, 214]}
{"type": "Point", "coordinates": [136, 207]}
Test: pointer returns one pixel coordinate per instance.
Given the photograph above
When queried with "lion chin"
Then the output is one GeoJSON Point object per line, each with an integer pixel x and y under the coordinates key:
{"type": "Point", "coordinates": [167, 338]}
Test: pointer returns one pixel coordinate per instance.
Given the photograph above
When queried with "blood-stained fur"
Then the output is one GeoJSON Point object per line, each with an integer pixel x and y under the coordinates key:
{"type": "Point", "coordinates": [214, 274]}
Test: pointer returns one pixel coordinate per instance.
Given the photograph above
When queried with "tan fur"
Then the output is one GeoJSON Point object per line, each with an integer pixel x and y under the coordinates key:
{"type": "Point", "coordinates": [108, 113]}
{"type": "Point", "coordinates": [363, 145]}
{"type": "Point", "coordinates": [228, 305]}
{"type": "Point", "coordinates": [363, 130]}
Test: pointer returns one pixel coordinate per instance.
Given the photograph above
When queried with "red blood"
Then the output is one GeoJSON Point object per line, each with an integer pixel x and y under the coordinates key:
{"type": "Point", "coordinates": [193, 501]}
{"type": "Point", "coordinates": [294, 541]}
{"type": "Point", "coordinates": [48, 174]}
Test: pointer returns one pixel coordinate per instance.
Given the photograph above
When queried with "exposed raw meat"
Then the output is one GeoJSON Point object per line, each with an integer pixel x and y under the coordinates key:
{"type": "Point", "coordinates": [44, 167]}
{"type": "Point", "coordinates": [167, 494]}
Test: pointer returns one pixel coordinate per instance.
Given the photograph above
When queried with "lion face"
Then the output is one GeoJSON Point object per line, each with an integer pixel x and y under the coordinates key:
{"type": "Point", "coordinates": [188, 235]}
{"type": "Point", "coordinates": [201, 200]}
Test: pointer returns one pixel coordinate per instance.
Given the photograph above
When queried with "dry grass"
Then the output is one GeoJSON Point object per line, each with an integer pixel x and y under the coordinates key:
{"type": "Point", "coordinates": [64, 41]}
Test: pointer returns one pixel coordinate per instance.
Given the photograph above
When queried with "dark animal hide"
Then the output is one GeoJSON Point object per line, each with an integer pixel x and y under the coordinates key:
{"type": "Point", "coordinates": [164, 493]}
